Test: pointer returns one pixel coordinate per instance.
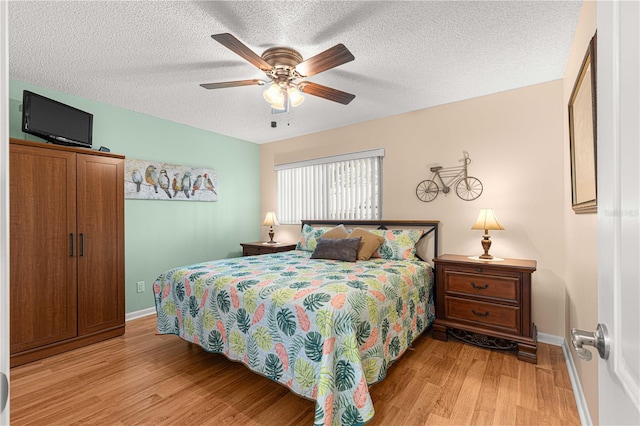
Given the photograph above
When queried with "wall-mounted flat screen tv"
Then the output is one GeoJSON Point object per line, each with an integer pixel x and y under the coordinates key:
{"type": "Point", "coordinates": [56, 122]}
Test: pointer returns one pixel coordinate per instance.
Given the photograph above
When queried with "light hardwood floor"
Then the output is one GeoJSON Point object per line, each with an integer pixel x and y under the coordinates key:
{"type": "Point", "coordinates": [144, 378]}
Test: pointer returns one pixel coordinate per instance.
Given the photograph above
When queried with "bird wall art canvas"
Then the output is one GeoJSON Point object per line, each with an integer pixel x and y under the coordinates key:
{"type": "Point", "coordinates": [152, 180]}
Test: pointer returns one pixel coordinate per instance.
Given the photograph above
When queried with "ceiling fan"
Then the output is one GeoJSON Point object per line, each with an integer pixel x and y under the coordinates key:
{"type": "Point", "coordinates": [284, 67]}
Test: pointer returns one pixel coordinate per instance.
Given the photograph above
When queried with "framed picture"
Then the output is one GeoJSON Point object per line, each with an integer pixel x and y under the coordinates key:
{"type": "Point", "coordinates": [152, 180]}
{"type": "Point", "coordinates": [582, 135]}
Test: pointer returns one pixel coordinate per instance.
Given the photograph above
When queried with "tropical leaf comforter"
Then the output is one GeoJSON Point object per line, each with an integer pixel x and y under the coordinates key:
{"type": "Point", "coordinates": [325, 329]}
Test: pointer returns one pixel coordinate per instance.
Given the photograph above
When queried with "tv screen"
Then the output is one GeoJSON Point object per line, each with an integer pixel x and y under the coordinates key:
{"type": "Point", "coordinates": [56, 122]}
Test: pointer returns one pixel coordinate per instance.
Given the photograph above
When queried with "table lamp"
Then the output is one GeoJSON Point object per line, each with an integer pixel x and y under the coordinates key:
{"type": "Point", "coordinates": [270, 220]}
{"type": "Point", "coordinates": [486, 220]}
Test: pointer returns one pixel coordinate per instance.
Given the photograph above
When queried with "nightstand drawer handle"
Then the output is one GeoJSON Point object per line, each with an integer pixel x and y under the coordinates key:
{"type": "Point", "coordinates": [479, 314]}
{"type": "Point", "coordinates": [479, 287]}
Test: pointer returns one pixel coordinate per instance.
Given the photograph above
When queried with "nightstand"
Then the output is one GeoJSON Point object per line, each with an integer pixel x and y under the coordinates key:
{"type": "Point", "coordinates": [259, 247]}
{"type": "Point", "coordinates": [486, 303]}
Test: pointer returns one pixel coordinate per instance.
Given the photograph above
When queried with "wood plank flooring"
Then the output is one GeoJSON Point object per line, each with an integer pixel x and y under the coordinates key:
{"type": "Point", "coordinates": [146, 379]}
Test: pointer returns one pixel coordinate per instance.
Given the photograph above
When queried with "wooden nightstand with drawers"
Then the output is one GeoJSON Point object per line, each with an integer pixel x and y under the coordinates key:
{"type": "Point", "coordinates": [486, 303]}
{"type": "Point", "coordinates": [259, 247]}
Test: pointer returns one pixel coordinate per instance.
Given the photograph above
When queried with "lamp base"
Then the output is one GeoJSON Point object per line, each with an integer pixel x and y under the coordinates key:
{"type": "Point", "coordinates": [271, 234]}
{"type": "Point", "coordinates": [486, 245]}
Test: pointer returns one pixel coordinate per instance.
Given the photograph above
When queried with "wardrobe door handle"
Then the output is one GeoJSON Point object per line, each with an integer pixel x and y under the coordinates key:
{"type": "Point", "coordinates": [72, 245]}
{"type": "Point", "coordinates": [81, 244]}
{"type": "Point", "coordinates": [480, 314]}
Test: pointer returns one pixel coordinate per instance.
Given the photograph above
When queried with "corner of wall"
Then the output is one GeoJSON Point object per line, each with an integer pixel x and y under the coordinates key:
{"type": "Point", "coordinates": [580, 236]}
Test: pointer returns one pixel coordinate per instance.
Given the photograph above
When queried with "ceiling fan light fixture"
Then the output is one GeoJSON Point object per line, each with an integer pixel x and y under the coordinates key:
{"type": "Point", "coordinates": [284, 66]}
{"type": "Point", "coordinates": [295, 97]}
{"type": "Point", "coordinates": [272, 94]}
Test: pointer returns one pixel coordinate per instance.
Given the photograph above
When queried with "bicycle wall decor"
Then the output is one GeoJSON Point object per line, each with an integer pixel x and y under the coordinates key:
{"type": "Point", "coordinates": [468, 188]}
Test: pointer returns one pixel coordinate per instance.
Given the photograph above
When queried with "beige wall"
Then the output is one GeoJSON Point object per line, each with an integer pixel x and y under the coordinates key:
{"type": "Point", "coordinates": [580, 231]}
{"type": "Point", "coordinates": [515, 140]}
{"type": "Point", "coordinates": [518, 142]}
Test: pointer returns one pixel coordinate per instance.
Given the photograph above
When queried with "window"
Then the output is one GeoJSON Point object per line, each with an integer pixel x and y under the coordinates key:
{"type": "Point", "coordinates": [343, 187]}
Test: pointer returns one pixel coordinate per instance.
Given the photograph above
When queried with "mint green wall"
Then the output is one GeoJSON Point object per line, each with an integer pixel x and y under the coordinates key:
{"type": "Point", "coordinates": [163, 234]}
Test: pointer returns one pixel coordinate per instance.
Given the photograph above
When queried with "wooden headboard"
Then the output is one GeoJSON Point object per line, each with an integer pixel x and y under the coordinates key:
{"type": "Point", "coordinates": [426, 247]}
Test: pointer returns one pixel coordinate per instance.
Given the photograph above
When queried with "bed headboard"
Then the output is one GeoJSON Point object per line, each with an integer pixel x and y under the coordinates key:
{"type": "Point", "coordinates": [426, 247]}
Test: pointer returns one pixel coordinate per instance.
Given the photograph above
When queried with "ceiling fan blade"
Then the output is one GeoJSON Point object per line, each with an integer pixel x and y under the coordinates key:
{"type": "Point", "coordinates": [325, 92]}
{"type": "Point", "coordinates": [330, 58]}
{"type": "Point", "coordinates": [232, 43]}
{"type": "Point", "coordinates": [232, 84]}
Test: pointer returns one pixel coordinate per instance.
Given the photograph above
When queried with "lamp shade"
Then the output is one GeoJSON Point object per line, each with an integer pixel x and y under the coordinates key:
{"type": "Point", "coordinates": [280, 103]}
{"type": "Point", "coordinates": [270, 219]}
{"type": "Point", "coordinates": [487, 220]}
{"type": "Point", "coordinates": [272, 93]}
{"type": "Point", "coordinates": [295, 96]}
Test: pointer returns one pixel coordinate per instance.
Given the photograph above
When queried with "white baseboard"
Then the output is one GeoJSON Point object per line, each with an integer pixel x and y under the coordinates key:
{"type": "Point", "coordinates": [139, 314]}
{"type": "Point", "coordinates": [581, 402]}
{"type": "Point", "coordinates": [550, 339]}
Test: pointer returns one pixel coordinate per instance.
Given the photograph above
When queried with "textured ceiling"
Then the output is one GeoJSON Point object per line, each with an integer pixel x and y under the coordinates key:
{"type": "Point", "coordinates": [151, 56]}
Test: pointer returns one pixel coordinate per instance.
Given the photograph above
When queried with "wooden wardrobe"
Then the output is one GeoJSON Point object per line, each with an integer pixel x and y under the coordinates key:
{"type": "Point", "coordinates": [66, 248]}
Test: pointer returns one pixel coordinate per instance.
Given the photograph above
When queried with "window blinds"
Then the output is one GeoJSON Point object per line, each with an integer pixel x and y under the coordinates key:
{"type": "Point", "coordinates": [344, 187]}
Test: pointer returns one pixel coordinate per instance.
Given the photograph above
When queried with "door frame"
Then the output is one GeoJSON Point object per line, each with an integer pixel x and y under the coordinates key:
{"type": "Point", "coordinates": [4, 199]}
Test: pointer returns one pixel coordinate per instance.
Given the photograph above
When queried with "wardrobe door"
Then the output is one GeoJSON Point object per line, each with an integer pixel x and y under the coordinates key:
{"type": "Point", "coordinates": [43, 243]}
{"type": "Point", "coordinates": [100, 182]}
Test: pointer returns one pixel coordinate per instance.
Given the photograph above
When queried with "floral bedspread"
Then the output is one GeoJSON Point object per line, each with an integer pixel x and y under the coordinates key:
{"type": "Point", "coordinates": [325, 329]}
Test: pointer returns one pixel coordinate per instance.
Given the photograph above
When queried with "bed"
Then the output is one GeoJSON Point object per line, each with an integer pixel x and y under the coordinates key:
{"type": "Point", "coordinates": [326, 329]}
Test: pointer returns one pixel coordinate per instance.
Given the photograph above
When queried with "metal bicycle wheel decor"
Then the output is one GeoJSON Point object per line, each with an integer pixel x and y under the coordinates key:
{"type": "Point", "coordinates": [467, 187]}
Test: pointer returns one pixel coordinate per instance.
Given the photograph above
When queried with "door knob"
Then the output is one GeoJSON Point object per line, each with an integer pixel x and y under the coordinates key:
{"type": "Point", "coordinates": [4, 391]}
{"type": "Point", "coordinates": [599, 339]}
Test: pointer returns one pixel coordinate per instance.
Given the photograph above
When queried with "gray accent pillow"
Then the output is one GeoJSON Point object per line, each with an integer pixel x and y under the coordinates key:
{"type": "Point", "coordinates": [345, 249]}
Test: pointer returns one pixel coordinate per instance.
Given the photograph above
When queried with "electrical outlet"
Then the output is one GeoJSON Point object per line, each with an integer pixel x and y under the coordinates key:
{"type": "Point", "coordinates": [140, 286]}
